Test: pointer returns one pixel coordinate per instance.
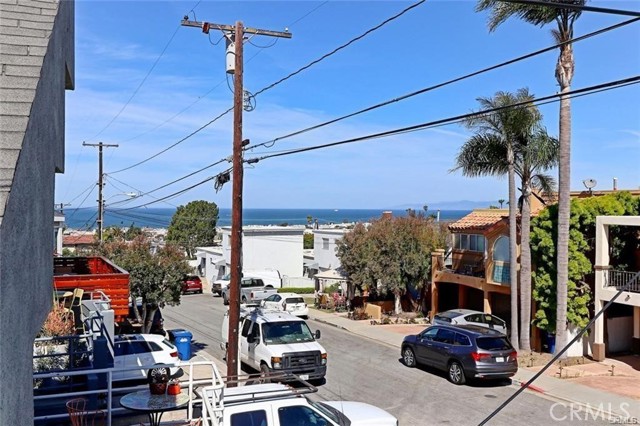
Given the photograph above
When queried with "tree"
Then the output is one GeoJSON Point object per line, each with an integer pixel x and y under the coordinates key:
{"type": "Point", "coordinates": [391, 254]}
{"type": "Point", "coordinates": [193, 225]}
{"type": "Point", "coordinates": [490, 152]}
{"type": "Point", "coordinates": [564, 19]}
{"type": "Point", "coordinates": [155, 278]}
{"type": "Point", "coordinates": [581, 254]}
{"type": "Point", "coordinates": [307, 241]}
{"type": "Point", "coordinates": [501, 201]}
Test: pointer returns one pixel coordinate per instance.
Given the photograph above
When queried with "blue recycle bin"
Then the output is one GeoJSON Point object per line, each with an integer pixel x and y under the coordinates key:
{"type": "Point", "coordinates": [182, 340]}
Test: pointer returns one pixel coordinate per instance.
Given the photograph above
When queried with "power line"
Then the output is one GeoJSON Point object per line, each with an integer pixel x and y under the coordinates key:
{"type": "Point", "coordinates": [337, 49]}
{"type": "Point", "coordinates": [175, 144]}
{"type": "Point", "coordinates": [451, 120]}
{"type": "Point", "coordinates": [446, 83]}
{"type": "Point", "coordinates": [139, 85]}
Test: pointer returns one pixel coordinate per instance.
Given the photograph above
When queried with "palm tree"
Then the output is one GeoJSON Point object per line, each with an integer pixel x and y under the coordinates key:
{"type": "Point", "coordinates": [501, 201]}
{"type": "Point", "coordinates": [513, 142]}
{"type": "Point", "coordinates": [536, 152]}
{"type": "Point", "coordinates": [564, 19]}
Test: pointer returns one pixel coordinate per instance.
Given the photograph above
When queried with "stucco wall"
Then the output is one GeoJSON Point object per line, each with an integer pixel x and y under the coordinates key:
{"type": "Point", "coordinates": [36, 50]}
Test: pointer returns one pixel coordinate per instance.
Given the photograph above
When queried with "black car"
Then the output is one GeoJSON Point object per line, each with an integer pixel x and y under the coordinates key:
{"type": "Point", "coordinates": [463, 351]}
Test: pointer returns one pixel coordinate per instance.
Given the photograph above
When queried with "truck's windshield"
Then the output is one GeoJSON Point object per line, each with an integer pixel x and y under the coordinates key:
{"type": "Point", "coordinates": [278, 333]}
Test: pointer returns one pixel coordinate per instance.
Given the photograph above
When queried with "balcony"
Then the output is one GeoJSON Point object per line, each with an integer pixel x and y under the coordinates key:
{"type": "Point", "coordinates": [629, 281]}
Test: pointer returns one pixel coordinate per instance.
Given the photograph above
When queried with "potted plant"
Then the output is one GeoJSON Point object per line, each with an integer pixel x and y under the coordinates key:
{"type": "Point", "coordinates": [158, 379]}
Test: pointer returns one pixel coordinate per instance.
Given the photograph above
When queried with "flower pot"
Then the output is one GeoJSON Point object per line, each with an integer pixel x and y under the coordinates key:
{"type": "Point", "coordinates": [157, 388]}
{"type": "Point", "coordinates": [173, 389]}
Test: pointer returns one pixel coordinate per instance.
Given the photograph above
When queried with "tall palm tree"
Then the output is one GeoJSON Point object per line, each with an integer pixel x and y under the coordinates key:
{"type": "Point", "coordinates": [490, 151]}
{"type": "Point", "coordinates": [536, 152]}
{"type": "Point", "coordinates": [564, 19]}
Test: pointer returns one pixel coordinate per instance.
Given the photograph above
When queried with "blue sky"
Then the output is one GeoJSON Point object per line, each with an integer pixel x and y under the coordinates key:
{"type": "Point", "coordinates": [118, 43]}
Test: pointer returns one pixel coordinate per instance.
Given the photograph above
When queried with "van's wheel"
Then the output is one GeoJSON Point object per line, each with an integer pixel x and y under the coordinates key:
{"type": "Point", "coordinates": [264, 373]}
{"type": "Point", "coordinates": [408, 357]}
{"type": "Point", "coordinates": [225, 301]}
{"type": "Point", "coordinates": [456, 373]}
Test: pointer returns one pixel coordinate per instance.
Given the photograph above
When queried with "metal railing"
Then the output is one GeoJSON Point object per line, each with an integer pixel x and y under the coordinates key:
{"type": "Point", "coordinates": [620, 279]}
{"type": "Point", "coordinates": [108, 392]}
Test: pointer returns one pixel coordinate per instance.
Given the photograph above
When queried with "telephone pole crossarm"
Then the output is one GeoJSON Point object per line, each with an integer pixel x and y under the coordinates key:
{"type": "Point", "coordinates": [206, 26]}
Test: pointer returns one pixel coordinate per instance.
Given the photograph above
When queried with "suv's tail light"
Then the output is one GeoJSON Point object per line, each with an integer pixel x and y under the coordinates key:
{"type": "Point", "coordinates": [514, 355]}
{"type": "Point", "coordinates": [174, 354]}
{"type": "Point", "coordinates": [480, 356]}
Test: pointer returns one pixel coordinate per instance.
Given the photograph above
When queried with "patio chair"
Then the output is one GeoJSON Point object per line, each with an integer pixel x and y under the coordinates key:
{"type": "Point", "coordinates": [79, 416]}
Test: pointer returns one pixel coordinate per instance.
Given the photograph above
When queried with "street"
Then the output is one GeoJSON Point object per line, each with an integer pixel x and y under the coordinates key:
{"type": "Point", "coordinates": [362, 369]}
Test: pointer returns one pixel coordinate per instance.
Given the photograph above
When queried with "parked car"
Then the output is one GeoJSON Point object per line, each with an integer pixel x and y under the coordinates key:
{"type": "Point", "coordinates": [289, 302]}
{"type": "Point", "coordinates": [147, 350]}
{"type": "Point", "coordinates": [219, 284]}
{"type": "Point", "coordinates": [191, 284]}
{"type": "Point", "coordinates": [467, 316]}
{"type": "Point", "coordinates": [463, 351]}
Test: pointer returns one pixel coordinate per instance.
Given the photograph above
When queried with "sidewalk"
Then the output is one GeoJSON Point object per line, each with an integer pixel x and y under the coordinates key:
{"type": "Point", "coordinates": [589, 386]}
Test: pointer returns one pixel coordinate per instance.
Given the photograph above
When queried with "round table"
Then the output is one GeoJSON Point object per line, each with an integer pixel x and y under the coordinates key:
{"type": "Point", "coordinates": [153, 405]}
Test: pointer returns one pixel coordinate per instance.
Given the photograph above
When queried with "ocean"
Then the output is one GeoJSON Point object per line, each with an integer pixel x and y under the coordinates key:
{"type": "Point", "coordinates": [85, 218]}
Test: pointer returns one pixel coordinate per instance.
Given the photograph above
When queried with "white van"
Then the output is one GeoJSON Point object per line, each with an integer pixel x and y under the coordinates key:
{"type": "Point", "coordinates": [276, 341]}
{"type": "Point", "coordinates": [270, 277]}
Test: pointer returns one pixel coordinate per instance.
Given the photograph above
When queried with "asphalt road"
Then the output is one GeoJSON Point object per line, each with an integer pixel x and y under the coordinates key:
{"type": "Point", "coordinates": [365, 370]}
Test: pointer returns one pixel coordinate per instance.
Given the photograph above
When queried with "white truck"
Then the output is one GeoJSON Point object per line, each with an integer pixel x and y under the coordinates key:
{"type": "Point", "coordinates": [270, 277]}
{"type": "Point", "coordinates": [276, 341]}
{"type": "Point", "coordinates": [277, 404]}
{"type": "Point", "coordinates": [251, 290]}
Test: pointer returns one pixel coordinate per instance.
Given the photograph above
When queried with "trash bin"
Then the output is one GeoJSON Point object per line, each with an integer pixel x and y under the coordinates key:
{"type": "Point", "coordinates": [182, 340]}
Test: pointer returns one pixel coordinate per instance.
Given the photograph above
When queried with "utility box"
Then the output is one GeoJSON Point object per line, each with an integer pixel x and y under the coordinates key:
{"type": "Point", "coordinates": [182, 339]}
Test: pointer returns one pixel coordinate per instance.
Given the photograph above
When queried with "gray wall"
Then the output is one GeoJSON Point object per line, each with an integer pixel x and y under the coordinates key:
{"type": "Point", "coordinates": [36, 56]}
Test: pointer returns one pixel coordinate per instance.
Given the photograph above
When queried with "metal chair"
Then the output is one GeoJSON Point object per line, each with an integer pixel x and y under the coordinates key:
{"type": "Point", "coordinates": [79, 416]}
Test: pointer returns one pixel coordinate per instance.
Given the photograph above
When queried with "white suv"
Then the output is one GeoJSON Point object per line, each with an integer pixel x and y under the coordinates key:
{"type": "Point", "coordinates": [467, 316]}
{"type": "Point", "coordinates": [290, 302]}
{"type": "Point", "coordinates": [147, 350]}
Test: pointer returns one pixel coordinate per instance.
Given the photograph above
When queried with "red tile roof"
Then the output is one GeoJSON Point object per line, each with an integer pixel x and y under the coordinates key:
{"type": "Point", "coordinates": [479, 220]}
{"type": "Point", "coordinates": [82, 239]}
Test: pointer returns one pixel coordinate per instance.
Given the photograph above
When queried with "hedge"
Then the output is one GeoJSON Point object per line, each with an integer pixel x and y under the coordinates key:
{"type": "Point", "coordinates": [299, 290]}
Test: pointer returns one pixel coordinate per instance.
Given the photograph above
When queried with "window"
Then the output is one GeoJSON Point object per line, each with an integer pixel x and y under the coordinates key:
{"type": "Point", "coordinates": [430, 334]}
{"type": "Point", "coordinates": [462, 340]}
{"type": "Point", "coordinates": [501, 267]}
{"type": "Point", "coordinates": [445, 336]}
{"type": "Point", "coordinates": [299, 415]}
{"type": "Point", "coordinates": [471, 242]}
{"type": "Point", "coordinates": [325, 244]}
{"type": "Point", "coordinates": [249, 418]}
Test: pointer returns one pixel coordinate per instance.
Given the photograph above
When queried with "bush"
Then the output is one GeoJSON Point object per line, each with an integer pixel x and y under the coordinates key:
{"type": "Point", "coordinates": [299, 290]}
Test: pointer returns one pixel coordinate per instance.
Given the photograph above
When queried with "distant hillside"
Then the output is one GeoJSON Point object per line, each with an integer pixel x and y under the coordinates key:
{"type": "Point", "coordinates": [449, 205]}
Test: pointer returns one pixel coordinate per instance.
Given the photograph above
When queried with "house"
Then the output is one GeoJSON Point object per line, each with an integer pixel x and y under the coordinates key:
{"type": "Point", "coordinates": [478, 276]}
{"type": "Point", "coordinates": [37, 57]}
{"type": "Point", "coordinates": [263, 247]}
{"type": "Point", "coordinates": [58, 226]}
{"type": "Point", "coordinates": [618, 330]}
{"type": "Point", "coordinates": [79, 242]}
{"type": "Point", "coordinates": [324, 247]}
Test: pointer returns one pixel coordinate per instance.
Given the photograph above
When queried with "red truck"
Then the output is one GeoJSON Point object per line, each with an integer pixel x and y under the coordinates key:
{"type": "Point", "coordinates": [92, 274]}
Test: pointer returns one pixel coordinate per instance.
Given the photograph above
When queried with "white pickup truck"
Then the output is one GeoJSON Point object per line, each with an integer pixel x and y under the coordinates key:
{"type": "Point", "coordinates": [276, 404]}
{"type": "Point", "coordinates": [276, 341]}
{"type": "Point", "coordinates": [251, 290]}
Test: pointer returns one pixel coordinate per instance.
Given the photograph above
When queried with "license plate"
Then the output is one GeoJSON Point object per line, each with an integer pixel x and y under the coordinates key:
{"type": "Point", "coordinates": [499, 359]}
{"type": "Point", "coordinates": [304, 376]}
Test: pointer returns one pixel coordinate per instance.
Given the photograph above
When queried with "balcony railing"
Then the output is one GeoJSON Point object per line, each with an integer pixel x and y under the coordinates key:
{"type": "Point", "coordinates": [629, 281]}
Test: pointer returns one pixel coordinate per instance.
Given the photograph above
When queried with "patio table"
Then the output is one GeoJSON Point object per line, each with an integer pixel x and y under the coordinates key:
{"type": "Point", "coordinates": [153, 405]}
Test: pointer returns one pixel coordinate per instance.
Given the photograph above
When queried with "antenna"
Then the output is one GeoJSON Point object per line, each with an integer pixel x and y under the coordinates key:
{"type": "Point", "coordinates": [589, 184]}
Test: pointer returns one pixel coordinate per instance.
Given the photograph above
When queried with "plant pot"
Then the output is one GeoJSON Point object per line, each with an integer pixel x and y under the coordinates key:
{"type": "Point", "coordinates": [173, 389]}
{"type": "Point", "coordinates": [157, 388]}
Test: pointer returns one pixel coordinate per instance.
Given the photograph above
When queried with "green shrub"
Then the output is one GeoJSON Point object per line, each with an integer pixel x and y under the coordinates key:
{"type": "Point", "coordinates": [299, 290]}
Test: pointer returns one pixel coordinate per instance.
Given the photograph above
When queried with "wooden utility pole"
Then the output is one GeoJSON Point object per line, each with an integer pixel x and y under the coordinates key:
{"type": "Point", "coordinates": [236, 36]}
{"type": "Point", "coordinates": [100, 200]}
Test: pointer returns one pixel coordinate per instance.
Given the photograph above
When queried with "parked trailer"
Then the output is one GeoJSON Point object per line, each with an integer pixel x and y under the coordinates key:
{"type": "Point", "coordinates": [93, 274]}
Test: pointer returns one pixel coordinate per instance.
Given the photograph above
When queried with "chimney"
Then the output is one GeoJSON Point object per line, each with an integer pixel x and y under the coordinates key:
{"type": "Point", "coordinates": [615, 183]}
{"type": "Point", "coordinates": [387, 214]}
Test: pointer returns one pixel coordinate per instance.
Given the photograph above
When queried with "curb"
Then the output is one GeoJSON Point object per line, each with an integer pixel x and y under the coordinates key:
{"type": "Point", "coordinates": [328, 323]}
{"type": "Point", "coordinates": [530, 387]}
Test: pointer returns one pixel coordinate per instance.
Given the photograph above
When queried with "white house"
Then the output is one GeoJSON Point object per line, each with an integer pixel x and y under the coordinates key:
{"type": "Point", "coordinates": [324, 247]}
{"type": "Point", "coordinates": [619, 329]}
{"type": "Point", "coordinates": [263, 247]}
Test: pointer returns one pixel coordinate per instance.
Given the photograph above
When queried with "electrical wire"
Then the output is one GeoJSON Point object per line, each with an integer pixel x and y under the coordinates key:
{"type": "Point", "coordinates": [339, 48]}
{"type": "Point", "coordinates": [271, 142]}
{"type": "Point", "coordinates": [446, 121]}
{"type": "Point", "coordinates": [577, 7]}
{"type": "Point", "coordinates": [175, 144]}
{"type": "Point", "coordinates": [139, 85]}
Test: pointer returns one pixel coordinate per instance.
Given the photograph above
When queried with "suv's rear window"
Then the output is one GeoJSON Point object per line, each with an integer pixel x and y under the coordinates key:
{"type": "Point", "coordinates": [493, 343]}
{"type": "Point", "coordinates": [294, 300]}
{"type": "Point", "coordinates": [442, 318]}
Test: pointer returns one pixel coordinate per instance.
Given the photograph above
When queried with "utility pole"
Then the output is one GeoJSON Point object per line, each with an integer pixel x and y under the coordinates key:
{"type": "Point", "coordinates": [100, 184]}
{"type": "Point", "coordinates": [235, 38]}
